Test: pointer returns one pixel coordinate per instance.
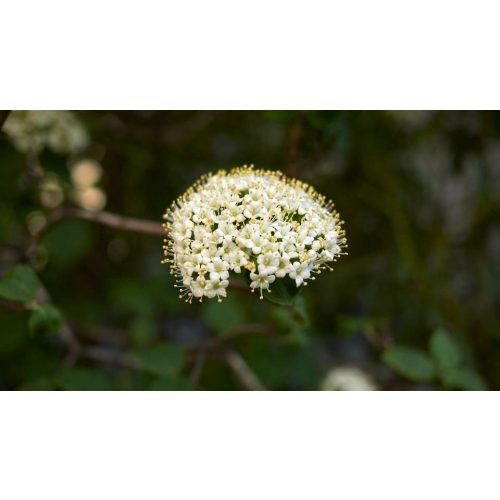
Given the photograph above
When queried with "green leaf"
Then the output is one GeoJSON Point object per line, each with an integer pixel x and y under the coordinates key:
{"type": "Point", "coordinates": [224, 316]}
{"type": "Point", "coordinates": [293, 321]}
{"type": "Point", "coordinates": [283, 292]}
{"type": "Point", "coordinates": [409, 362]}
{"type": "Point", "coordinates": [171, 384]}
{"type": "Point", "coordinates": [162, 360]}
{"type": "Point", "coordinates": [350, 325]}
{"type": "Point", "coordinates": [68, 242]}
{"type": "Point", "coordinates": [463, 378]}
{"type": "Point", "coordinates": [19, 283]}
{"type": "Point", "coordinates": [46, 319]}
{"type": "Point", "coordinates": [300, 311]}
{"type": "Point", "coordinates": [143, 328]}
{"type": "Point", "coordinates": [444, 349]}
{"type": "Point", "coordinates": [84, 379]}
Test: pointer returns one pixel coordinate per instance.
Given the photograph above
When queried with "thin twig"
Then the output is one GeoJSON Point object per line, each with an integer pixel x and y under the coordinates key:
{"type": "Point", "coordinates": [199, 353]}
{"type": "Point", "coordinates": [241, 331]}
{"type": "Point", "coordinates": [104, 355]}
{"type": "Point", "coordinates": [244, 373]}
{"type": "Point", "coordinates": [104, 218]}
{"type": "Point", "coordinates": [199, 362]}
{"type": "Point", "coordinates": [110, 220]}
{"type": "Point", "coordinates": [65, 333]}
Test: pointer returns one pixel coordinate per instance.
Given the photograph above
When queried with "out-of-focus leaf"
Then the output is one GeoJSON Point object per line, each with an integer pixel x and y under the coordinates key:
{"type": "Point", "coordinates": [133, 295]}
{"type": "Point", "coordinates": [354, 324]}
{"type": "Point", "coordinates": [444, 349]}
{"type": "Point", "coordinates": [171, 384]}
{"type": "Point", "coordinates": [19, 283]}
{"type": "Point", "coordinates": [300, 312]}
{"type": "Point", "coordinates": [223, 316]}
{"type": "Point", "coordinates": [281, 367]}
{"type": "Point", "coordinates": [84, 379]}
{"type": "Point", "coordinates": [293, 321]}
{"type": "Point", "coordinates": [463, 378]}
{"type": "Point", "coordinates": [143, 329]}
{"type": "Point", "coordinates": [286, 322]}
{"type": "Point", "coordinates": [280, 116]}
{"type": "Point", "coordinates": [162, 360]}
{"type": "Point", "coordinates": [46, 319]}
{"type": "Point", "coordinates": [14, 334]}
{"type": "Point", "coordinates": [68, 242]}
{"type": "Point", "coordinates": [409, 362]}
{"type": "Point", "coordinates": [38, 384]}
{"type": "Point", "coordinates": [283, 292]}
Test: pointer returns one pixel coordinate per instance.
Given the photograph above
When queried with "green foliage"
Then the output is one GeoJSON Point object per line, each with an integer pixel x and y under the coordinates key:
{"type": "Point", "coordinates": [444, 349]}
{"type": "Point", "coordinates": [283, 292]}
{"type": "Point", "coordinates": [68, 242]}
{"type": "Point", "coordinates": [293, 321]}
{"type": "Point", "coordinates": [39, 384]}
{"type": "Point", "coordinates": [171, 384]}
{"type": "Point", "coordinates": [165, 360]}
{"type": "Point", "coordinates": [444, 362]}
{"type": "Point", "coordinates": [353, 324]}
{"type": "Point", "coordinates": [20, 284]}
{"type": "Point", "coordinates": [411, 363]}
{"type": "Point", "coordinates": [143, 328]}
{"type": "Point", "coordinates": [83, 379]}
{"type": "Point", "coordinates": [45, 319]}
{"type": "Point", "coordinates": [224, 316]}
{"type": "Point", "coordinates": [463, 378]}
{"type": "Point", "coordinates": [284, 367]}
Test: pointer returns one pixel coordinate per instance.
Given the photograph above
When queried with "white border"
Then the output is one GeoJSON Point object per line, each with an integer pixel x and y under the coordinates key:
{"type": "Point", "coordinates": [267, 54]}
{"type": "Point", "coordinates": [237, 445]}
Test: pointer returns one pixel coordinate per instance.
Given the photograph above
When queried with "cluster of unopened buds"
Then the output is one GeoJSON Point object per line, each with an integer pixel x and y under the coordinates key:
{"type": "Point", "coordinates": [258, 224]}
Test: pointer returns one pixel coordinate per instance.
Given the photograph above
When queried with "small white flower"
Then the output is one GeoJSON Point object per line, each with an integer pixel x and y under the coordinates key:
{"type": "Point", "coordinates": [300, 272]}
{"type": "Point", "coordinates": [284, 266]}
{"type": "Point", "coordinates": [268, 263]}
{"type": "Point", "coordinates": [261, 281]}
{"type": "Point", "coordinates": [218, 269]}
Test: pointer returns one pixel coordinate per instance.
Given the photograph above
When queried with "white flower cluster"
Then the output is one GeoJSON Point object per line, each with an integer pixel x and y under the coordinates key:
{"type": "Point", "coordinates": [347, 378]}
{"type": "Point", "coordinates": [59, 131]}
{"type": "Point", "coordinates": [255, 223]}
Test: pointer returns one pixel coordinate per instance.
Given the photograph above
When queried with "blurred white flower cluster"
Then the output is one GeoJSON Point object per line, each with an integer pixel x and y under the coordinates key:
{"type": "Point", "coordinates": [252, 222]}
{"type": "Point", "coordinates": [347, 378]}
{"type": "Point", "coordinates": [33, 131]}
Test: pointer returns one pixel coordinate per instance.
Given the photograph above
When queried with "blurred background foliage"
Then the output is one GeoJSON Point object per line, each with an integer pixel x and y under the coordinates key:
{"type": "Point", "coordinates": [415, 305]}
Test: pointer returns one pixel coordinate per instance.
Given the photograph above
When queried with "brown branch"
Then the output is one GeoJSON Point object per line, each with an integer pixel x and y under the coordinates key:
{"type": "Point", "coordinates": [105, 355]}
{"type": "Point", "coordinates": [65, 333]}
{"type": "Point", "coordinates": [244, 373]}
{"type": "Point", "coordinates": [14, 306]}
{"type": "Point", "coordinates": [198, 365]}
{"type": "Point", "coordinates": [242, 331]}
{"type": "Point", "coordinates": [199, 353]}
{"type": "Point", "coordinates": [106, 219]}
